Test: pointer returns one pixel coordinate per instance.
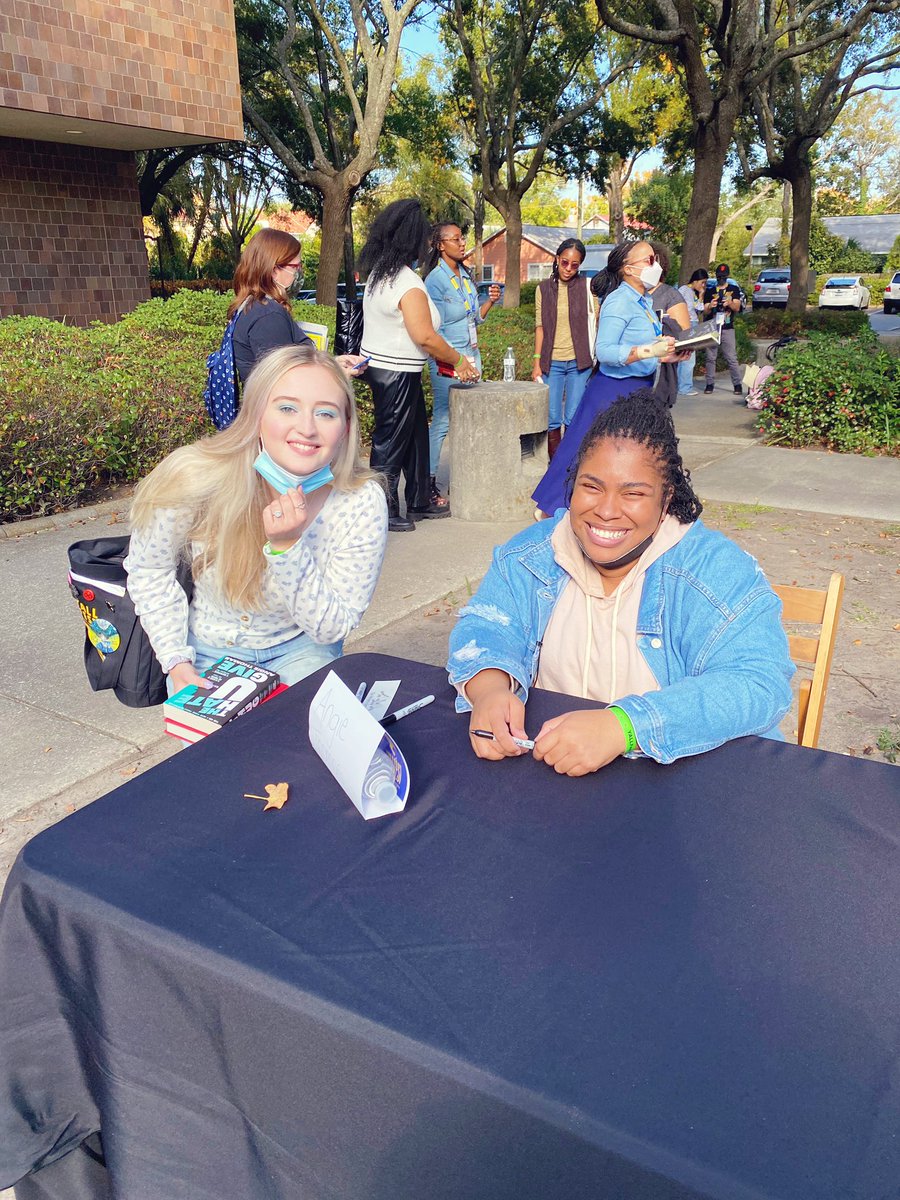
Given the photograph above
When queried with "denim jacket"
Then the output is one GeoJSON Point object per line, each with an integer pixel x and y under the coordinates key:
{"type": "Point", "coordinates": [448, 300]}
{"type": "Point", "coordinates": [709, 628]}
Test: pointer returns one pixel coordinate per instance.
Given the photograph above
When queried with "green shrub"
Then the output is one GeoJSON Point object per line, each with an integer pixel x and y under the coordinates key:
{"type": "Point", "coordinates": [168, 287]}
{"type": "Point", "coordinates": [778, 322]}
{"type": "Point", "coordinates": [841, 395]}
{"type": "Point", "coordinates": [83, 408]}
{"type": "Point", "coordinates": [526, 292]}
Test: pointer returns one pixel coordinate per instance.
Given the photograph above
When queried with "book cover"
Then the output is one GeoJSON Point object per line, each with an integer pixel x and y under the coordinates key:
{"type": "Point", "coordinates": [702, 336]}
{"type": "Point", "coordinates": [237, 688]}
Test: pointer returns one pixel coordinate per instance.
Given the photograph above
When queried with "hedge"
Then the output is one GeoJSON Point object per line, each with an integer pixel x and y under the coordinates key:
{"type": "Point", "coordinates": [85, 408]}
{"type": "Point", "coordinates": [837, 395]}
{"type": "Point", "coordinates": [778, 322]}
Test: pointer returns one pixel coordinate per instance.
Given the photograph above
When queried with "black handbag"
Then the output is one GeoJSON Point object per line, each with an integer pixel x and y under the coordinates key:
{"type": "Point", "coordinates": [348, 327]}
{"type": "Point", "coordinates": [117, 651]}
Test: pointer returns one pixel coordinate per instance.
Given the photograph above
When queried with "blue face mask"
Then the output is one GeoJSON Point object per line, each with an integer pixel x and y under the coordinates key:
{"type": "Point", "coordinates": [281, 479]}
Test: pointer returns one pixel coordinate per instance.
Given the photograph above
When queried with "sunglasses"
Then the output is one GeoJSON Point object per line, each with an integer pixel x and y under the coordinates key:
{"type": "Point", "coordinates": [650, 258]}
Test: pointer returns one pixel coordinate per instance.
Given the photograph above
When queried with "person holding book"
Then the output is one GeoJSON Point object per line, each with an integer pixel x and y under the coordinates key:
{"type": "Point", "coordinates": [692, 291]}
{"type": "Point", "coordinates": [455, 296]}
{"type": "Point", "coordinates": [629, 347]}
{"type": "Point", "coordinates": [284, 528]}
{"type": "Point", "coordinates": [263, 281]}
{"type": "Point", "coordinates": [626, 598]}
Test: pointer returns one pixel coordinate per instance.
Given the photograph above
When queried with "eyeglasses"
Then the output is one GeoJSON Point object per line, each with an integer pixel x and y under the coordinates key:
{"type": "Point", "coordinates": [460, 240]}
{"type": "Point", "coordinates": [295, 267]}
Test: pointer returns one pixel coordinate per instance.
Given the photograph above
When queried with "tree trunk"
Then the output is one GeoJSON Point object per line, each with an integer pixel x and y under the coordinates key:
{"type": "Point", "coordinates": [786, 210]}
{"type": "Point", "coordinates": [615, 199]}
{"type": "Point", "coordinates": [349, 256]}
{"type": "Point", "coordinates": [711, 148]}
{"type": "Point", "coordinates": [335, 203]}
{"type": "Point", "coordinates": [802, 194]}
{"type": "Point", "coordinates": [513, 219]}
{"type": "Point", "coordinates": [478, 222]}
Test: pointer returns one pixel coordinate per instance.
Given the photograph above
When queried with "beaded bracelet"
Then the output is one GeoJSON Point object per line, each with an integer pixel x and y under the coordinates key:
{"type": "Point", "coordinates": [627, 728]}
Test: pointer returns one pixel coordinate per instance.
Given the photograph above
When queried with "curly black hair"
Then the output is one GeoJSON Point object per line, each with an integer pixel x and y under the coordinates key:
{"type": "Point", "coordinates": [642, 417]}
{"type": "Point", "coordinates": [398, 238]}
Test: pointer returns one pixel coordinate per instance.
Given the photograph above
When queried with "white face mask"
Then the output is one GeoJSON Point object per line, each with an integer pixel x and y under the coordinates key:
{"type": "Point", "coordinates": [651, 275]}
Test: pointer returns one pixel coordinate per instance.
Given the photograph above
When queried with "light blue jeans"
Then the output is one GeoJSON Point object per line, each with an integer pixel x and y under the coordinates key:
{"type": "Point", "coordinates": [686, 374]}
{"type": "Point", "coordinates": [293, 659]}
{"type": "Point", "coordinates": [565, 380]}
{"type": "Point", "coordinates": [440, 411]}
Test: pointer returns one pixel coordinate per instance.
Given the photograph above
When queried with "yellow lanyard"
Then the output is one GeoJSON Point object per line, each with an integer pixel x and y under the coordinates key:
{"type": "Point", "coordinates": [466, 290]}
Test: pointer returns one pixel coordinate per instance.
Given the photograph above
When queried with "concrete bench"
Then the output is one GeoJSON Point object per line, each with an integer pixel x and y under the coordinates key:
{"type": "Point", "coordinates": [498, 449]}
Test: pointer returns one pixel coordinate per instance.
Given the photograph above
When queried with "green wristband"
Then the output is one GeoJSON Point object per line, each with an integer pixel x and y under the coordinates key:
{"type": "Point", "coordinates": [462, 359]}
{"type": "Point", "coordinates": [268, 549]}
{"type": "Point", "coordinates": [627, 728]}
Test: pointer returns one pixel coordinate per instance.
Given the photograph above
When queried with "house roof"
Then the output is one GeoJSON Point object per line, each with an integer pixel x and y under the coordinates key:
{"type": "Point", "coordinates": [547, 237]}
{"type": "Point", "coordinates": [875, 232]}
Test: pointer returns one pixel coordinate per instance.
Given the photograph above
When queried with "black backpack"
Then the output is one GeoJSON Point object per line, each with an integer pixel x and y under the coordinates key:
{"type": "Point", "coordinates": [117, 652]}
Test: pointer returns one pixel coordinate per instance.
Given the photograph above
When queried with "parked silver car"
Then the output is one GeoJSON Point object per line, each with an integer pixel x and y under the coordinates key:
{"type": "Point", "coordinates": [772, 287]}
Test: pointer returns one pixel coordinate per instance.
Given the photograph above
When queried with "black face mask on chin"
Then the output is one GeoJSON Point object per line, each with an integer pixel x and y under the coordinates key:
{"type": "Point", "coordinates": [631, 556]}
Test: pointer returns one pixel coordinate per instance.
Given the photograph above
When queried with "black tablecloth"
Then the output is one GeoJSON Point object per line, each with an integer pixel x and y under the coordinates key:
{"type": "Point", "coordinates": [653, 982]}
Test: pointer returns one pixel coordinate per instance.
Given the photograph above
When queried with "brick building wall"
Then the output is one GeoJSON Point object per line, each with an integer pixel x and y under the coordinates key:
{"type": "Point", "coordinates": [166, 65]}
{"type": "Point", "coordinates": [71, 241]}
{"type": "Point", "coordinates": [495, 256]}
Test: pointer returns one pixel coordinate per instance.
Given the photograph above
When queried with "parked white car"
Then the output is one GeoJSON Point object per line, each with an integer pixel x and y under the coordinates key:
{"type": "Point", "coordinates": [844, 291]}
{"type": "Point", "coordinates": [892, 294]}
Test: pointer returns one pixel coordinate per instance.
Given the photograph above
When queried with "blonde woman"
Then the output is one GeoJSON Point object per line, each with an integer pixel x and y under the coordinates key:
{"type": "Point", "coordinates": [283, 526]}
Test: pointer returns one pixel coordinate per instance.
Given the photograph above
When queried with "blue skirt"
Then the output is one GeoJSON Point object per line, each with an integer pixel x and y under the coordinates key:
{"type": "Point", "coordinates": [600, 394]}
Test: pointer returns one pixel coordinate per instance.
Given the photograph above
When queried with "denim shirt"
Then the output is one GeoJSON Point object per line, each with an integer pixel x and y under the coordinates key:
{"type": "Point", "coordinates": [448, 300]}
{"type": "Point", "coordinates": [626, 320]}
{"type": "Point", "coordinates": [709, 628]}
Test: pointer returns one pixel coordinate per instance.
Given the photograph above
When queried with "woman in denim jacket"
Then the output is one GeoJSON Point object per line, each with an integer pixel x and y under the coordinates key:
{"type": "Point", "coordinates": [629, 599]}
{"type": "Point", "coordinates": [455, 296]}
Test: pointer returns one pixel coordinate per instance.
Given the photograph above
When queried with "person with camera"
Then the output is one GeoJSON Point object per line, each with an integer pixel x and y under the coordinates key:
{"type": "Point", "coordinates": [721, 300]}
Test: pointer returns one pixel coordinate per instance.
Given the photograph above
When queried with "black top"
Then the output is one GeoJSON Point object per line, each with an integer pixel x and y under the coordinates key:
{"type": "Point", "coordinates": [729, 290]}
{"type": "Point", "coordinates": [263, 326]}
{"type": "Point", "coordinates": [669, 982]}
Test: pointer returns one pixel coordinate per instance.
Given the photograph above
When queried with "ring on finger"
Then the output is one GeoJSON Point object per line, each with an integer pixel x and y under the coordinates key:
{"type": "Point", "coordinates": [277, 512]}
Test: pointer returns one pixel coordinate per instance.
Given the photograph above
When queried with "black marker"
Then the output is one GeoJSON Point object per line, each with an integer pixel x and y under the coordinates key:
{"type": "Point", "coordinates": [404, 712]}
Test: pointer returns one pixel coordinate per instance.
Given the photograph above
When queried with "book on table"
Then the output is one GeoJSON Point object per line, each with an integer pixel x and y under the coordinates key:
{"type": "Point", "coordinates": [238, 687]}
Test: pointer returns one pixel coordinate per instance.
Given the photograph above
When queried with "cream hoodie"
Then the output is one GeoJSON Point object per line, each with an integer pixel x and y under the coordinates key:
{"type": "Point", "coordinates": [590, 645]}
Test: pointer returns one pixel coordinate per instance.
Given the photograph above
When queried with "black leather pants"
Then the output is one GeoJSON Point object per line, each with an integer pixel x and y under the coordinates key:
{"type": "Point", "coordinates": [400, 436]}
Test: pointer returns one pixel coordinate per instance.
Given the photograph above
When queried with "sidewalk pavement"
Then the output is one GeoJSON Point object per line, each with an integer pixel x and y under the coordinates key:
{"type": "Point", "coordinates": [64, 745]}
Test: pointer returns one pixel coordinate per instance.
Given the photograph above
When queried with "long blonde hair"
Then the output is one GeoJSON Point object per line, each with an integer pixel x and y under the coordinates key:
{"type": "Point", "coordinates": [215, 479]}
{"type": "Point", "coordinates": [254, 278]}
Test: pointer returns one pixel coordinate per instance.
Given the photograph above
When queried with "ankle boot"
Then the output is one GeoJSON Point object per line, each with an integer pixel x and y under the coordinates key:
{"type": "Point", "coordinates": [554, 437]}
{"type": "Point", "coordinates": [396, 523]}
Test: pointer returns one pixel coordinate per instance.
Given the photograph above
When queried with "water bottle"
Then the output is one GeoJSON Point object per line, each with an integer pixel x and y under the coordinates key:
{"type": "Point", "coordinates": [509, 365]}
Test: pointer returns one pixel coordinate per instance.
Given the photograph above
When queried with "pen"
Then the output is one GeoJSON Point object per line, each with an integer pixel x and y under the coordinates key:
{"type": "Point", "coordinates": [361, 690]}
{"type": "Point", "coordinates": [404, 712]}
{"type": "Point", "coordinates": [525, 743]}
{"type": "Point", "coordinates": [359, 366]}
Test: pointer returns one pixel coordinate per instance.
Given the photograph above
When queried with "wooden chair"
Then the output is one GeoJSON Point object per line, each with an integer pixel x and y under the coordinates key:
{"type": "Point", "coordinates": [812, 606]}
